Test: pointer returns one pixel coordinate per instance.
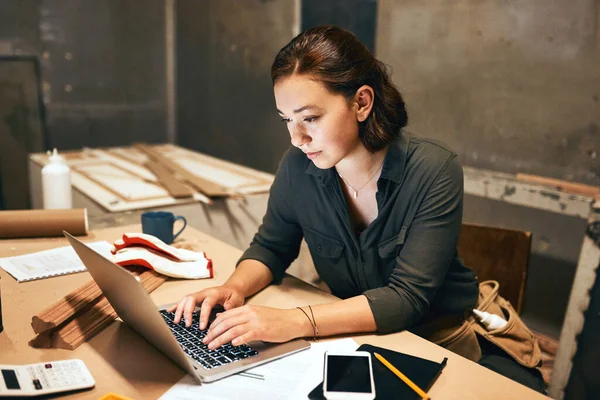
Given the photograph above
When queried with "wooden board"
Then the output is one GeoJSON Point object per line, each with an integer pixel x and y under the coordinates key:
{"type": "Point", "coordinates": [124, 184]}
{"type": "Point", "coordinates": [564, 186]}
{"type": "Point", "coordinates": [236, 178]}
{"type": "Point", "coordinates": [169, 181]}
{"type": "Point", "coordinates": [119, 179]}
{"type": "Point", "coordinates": [201, 184]}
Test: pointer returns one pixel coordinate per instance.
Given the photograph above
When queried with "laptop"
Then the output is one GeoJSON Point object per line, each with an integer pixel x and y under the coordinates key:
{"type": "Point", "coordinates": [182, 345]}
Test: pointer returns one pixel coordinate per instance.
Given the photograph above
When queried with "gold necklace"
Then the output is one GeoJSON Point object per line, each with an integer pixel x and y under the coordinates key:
{"type": "Point", "coordinates": [355, 191]}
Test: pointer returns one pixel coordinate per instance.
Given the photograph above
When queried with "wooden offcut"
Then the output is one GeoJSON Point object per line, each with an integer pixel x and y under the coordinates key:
{"type": "Point", "coordinates": [66, 307]}
{"type": "Point", "coordinates": [207, 187]}
{"type": "Point", "coordinates": [167, 179]}
{"type": "Point", "coordinates": [126, 185]}
{"type": "Point", "coordinates": [82, 314]}
{"type": "Point", "coordinates": [564, 186]}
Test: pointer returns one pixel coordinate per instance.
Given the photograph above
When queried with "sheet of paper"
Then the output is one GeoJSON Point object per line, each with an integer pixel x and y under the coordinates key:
{"type": "Point", "coordinates": [289, 378]}
{"type": "Point", "coordinates": [47, 263]}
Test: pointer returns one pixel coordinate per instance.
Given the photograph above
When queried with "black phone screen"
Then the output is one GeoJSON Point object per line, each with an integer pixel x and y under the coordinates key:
{"type": "Point", "coordinates": [348, 374]}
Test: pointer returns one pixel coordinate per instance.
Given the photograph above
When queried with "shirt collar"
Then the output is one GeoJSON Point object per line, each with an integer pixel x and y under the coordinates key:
{"type": "Point", "coordinates": [393, 164]}
{"type": "Point", "coordinates": [395, 158]}
{"type": "Point", "coordinates": [324, 175]}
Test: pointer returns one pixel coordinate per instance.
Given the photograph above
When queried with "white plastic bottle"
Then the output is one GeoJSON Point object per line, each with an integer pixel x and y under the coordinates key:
{"type": "Point", "coordinates": [56, 183]}
{"type": "Point", "coordinates": [490, 321]}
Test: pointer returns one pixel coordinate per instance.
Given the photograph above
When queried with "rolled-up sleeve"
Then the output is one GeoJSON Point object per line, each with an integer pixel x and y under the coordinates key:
{"type": "Point", "coordinates": [277, 242]}
{"type": "Point", "coordinates": [423, 261]}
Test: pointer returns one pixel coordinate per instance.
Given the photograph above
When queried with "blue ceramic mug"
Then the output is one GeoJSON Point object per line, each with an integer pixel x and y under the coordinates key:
{"type": "Point", "coordinates": [160, 224]}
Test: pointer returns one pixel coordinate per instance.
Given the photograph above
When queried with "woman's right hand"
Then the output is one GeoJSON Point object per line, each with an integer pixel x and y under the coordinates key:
{"type": "Point", "coordinates": [228, 296]}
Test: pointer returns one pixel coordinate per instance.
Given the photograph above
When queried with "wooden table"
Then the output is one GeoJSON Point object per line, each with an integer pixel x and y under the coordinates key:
{"type": "Point", "coordinates": [124, 363]}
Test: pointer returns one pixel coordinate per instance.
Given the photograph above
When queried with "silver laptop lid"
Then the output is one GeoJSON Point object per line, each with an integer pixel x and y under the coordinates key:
{"type": "Point", "coordinates": [132, 303]}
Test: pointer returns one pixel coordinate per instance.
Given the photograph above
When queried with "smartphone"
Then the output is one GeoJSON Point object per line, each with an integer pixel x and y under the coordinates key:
{"type": "Point", "coordinates": [348, 375]}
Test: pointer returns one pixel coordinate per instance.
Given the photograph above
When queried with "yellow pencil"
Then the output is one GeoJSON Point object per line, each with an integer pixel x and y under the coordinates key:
{"type": "Point", "coordinates": [404, 378]}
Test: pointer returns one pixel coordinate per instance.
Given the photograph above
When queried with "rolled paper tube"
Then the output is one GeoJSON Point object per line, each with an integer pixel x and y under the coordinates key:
{"type": "Point", "coordinates": [42, 223]}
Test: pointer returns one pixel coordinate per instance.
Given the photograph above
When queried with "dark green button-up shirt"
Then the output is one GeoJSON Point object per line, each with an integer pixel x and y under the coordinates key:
{"type": "Point", "coordinates": [405, 262]}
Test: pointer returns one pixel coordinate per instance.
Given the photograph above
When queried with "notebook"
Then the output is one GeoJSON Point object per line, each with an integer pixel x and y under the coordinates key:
{"type": "Point", "coordinates": [387, 385]}
{"type": "Point", "coordinates": [49, 263]}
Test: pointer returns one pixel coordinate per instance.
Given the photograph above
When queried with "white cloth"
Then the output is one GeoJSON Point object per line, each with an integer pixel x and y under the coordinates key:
{"type": "Point", "coordinates": [150, 252]}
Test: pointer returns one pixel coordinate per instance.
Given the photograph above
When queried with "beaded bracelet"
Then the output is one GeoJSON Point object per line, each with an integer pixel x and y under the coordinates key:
{"type": "Point", "coordinates": [312, 322]}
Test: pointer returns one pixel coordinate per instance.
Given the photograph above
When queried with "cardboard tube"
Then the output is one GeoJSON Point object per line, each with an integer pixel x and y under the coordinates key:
{"type": "Point", "coordinates": [42, 223]}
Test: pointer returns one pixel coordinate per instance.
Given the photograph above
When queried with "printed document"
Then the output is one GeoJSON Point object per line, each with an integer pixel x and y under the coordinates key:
{"type": "Point", "coordinates": [289, 378]}
{"type": "Point", "coordinates": [48, 263]}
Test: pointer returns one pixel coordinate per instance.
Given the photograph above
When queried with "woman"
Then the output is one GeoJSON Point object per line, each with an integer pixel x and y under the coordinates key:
{"type": "Point", "coordinates": [380, 211]}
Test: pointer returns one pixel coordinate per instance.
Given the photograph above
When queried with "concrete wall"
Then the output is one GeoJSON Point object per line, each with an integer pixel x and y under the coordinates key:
{"type": "Point", "coordinates": [103, 66]}
{"type": "Point", "coordinates": [512, 86]}
{"type": "Point", "coordinates": [225, 97]}
{"type": "Point", "coordinates": [358, 16]}
{"type": "Point", "coordinates": [104, 71]}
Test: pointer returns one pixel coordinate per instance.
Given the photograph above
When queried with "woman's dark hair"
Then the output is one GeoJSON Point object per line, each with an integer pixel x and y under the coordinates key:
{"type": "Point", "coordinates": [343, 64]}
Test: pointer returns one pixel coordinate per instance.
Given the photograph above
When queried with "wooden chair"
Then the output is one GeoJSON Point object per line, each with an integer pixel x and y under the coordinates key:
{"type": "Point", "coordinates": [499, 254]}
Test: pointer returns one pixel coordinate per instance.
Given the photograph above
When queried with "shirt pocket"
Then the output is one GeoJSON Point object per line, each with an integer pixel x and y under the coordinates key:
{"type": "Point", "coordinates": [389, 247]}
{"type": "Point", "coordinates": [321, 245]}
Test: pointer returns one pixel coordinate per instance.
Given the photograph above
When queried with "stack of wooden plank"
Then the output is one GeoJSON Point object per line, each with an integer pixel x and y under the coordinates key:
{"type": "Point", "coordinates": [81, 314]}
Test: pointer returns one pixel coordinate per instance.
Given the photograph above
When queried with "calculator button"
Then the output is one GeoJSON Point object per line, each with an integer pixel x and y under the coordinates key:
{"type": "Point", "coordinates": [37, 384]}
{"type": "Point", "coordinates": [48, 366]}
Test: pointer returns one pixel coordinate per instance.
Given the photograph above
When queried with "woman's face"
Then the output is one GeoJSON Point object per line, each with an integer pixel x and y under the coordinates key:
{"type": "Point", "coordinates": [321, 124]}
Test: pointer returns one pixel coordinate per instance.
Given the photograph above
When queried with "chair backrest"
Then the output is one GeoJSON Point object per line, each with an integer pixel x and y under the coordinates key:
{"type": "Point", "coordinates": [499, 254]}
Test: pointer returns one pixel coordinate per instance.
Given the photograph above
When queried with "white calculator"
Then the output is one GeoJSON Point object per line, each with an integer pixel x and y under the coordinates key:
{"type": "Point", "coordinates": [45, 378]}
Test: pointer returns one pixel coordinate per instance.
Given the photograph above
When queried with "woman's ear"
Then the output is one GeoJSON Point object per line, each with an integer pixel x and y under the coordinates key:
{"type": "Point", "coordinates": [364, 100]}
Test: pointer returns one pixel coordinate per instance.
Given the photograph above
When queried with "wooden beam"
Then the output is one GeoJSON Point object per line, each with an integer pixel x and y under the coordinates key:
{"type": "Point", "coordinates": [205, 186]}
{"type": "Point", "coordinates": [564, 186]}
{"type": "Point", "coordinates": [169, 181]}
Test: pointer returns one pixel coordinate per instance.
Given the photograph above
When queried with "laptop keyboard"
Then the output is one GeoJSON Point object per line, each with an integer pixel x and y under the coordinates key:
{"type": "Point", "coordinates": [190, 340]}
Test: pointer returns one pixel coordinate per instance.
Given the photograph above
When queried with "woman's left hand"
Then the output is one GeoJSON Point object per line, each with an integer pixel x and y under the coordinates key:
{"type": "Point", "coordinates": [247, 323]}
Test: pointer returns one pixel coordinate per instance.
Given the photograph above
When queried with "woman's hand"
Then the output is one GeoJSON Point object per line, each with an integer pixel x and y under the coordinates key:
{"type": "Point", "coordinates": [248, 323]}
{"type": "Point", "coordinates": [228, 296]}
